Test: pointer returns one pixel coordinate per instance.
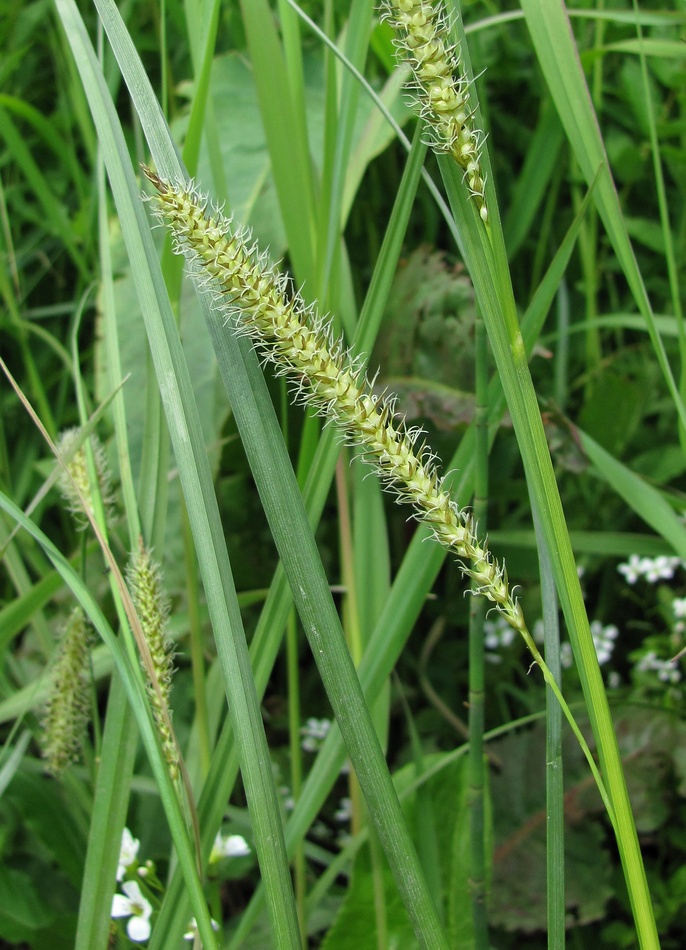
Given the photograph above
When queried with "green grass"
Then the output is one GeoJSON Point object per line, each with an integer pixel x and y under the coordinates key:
{"type": "Point", "coordinates": [544, 356]}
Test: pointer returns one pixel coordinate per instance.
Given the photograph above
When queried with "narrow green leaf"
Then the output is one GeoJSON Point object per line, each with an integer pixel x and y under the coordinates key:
{"type": "Point", "coordinates": [559, 59]}
{"type": "Point", "coordinates": [16, 615]}
{"type": "Point", "coordinates": [111, 799]}
{"type": "Point", "coordinates": [641, 497]}
{"type": "Point", "coordinates": [196, 479]}
{"type": "Point", "coordinates": [288, 146]}
{"type": "Point", "coordinates": [53, 209]}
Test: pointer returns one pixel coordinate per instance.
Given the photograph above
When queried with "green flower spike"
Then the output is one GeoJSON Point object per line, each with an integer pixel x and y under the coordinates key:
{"type": "Point", "coordinates": [68, 701]}
{"type": "Point", "coordinates": [152, 606]}
{"type": "Point", "coordinates": [262, 304]}
{"type": "Point", "coordinates": [77, 469]}
{"type": "Point", "coordinates": [440, 87]}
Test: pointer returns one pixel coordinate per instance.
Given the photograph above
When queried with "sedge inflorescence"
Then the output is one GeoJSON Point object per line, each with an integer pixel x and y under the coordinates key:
{"type": "Point", "coordinates": [67, 703]}
{"type": "Point", "coordinates": [440, 86]}
{"type": "Point", "coordinates": [263, 304]}
{"type": "Point", "coordinates": [144, 578]}
{"type": "Point", "coordinates": [73, 480]}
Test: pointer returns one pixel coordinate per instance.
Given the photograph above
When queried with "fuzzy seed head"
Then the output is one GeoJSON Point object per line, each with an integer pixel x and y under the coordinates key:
{"type": "Point", "coordinates": [152, 606]}
{"type": "Point", "coordinates": [77, 468]}
{"type": "Point", "coordinates": [65, 715]}
{"type": "Point", "coordinates": [439, 86]}
{"type": "Point", "coordinates": [261, 303]}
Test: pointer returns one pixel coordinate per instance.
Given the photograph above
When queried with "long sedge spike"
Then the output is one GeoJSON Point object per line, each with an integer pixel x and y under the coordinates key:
{"type": "Point", "coordinates": [439, 86]}
{"type": "Point", "coordinates": [262, 303]}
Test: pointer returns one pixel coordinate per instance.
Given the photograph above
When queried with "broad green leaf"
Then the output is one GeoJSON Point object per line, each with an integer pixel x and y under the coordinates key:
{"type": "Point", "coordinates": [355, 925]}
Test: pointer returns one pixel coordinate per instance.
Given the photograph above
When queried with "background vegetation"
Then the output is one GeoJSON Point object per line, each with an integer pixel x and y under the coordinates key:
{"type": "Point", "coordinates": [268, 121]}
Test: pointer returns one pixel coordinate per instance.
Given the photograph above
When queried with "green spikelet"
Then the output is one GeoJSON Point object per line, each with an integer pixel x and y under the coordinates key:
{"type": "Point", "coordinates": [67, 705]}
{"type": "Point", "coordinates": [77, 468]}
{"type": "Point", "coordinates": [440, 86]}
{"type": "Point", "coordinates": [152, 606]}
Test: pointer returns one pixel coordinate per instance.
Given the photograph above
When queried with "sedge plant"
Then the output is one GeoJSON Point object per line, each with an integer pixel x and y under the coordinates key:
{"type": "Point", "coordinates": [292, 337]}
{"type": "Point", "coordinates": [249, 304]}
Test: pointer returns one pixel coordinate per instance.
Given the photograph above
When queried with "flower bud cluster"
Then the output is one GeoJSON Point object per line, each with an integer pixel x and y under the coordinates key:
{"type": "Point", "coordinates": [261, 303]}
{"type": "Point", "coordinates": [440, 86]}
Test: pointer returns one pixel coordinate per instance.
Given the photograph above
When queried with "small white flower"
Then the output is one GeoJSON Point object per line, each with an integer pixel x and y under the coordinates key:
{"type": "Point", "coordinates": [566, 655]}
{"type": "Point", "coordinates": [136, 908]}
{"type": "Point", "coordinates": [128, 853]}
{"type": "Point", "coordinates": [228, 846]}
{"type": "Point", "coordinates": [604, 640]}
{"type": "Point", "coordinates": [647, 661]}
{"type": "Point", "coordinates": [653, 569]}
{"type": "Point", "coordinates": [287, 799]}
{"type": "Point", "coordinates": [667, 672]}
{"type": "Point", "coordinates": [614, 680]}
{"type": "Point", "coordinates": [345, 810]}
{"type": "Point", "coordinates": [507, 635]}
{"type": "Point", "coordinates": [661, 568]}
{"type": "Point", "coordinates": [491, 639]}
{"type": "Point", "coordinates": [632, 569]}
{"type": "Point", "coordinates": [679, 607]}
{"type": "Point", "coordinates": [314, 731]}
{"type": "Point", "coordinates": [193, 930]}
{"type": "Point", "coordinates": [498, 633]}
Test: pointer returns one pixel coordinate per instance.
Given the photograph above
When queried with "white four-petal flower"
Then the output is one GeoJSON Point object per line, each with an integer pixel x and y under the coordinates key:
{"type": "Point", "coordinates": [128, 853]}
{"type": "Point", "coordinates": [228, 846]}
{"type": "Point", "coordinates": [136, 908]}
